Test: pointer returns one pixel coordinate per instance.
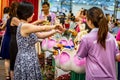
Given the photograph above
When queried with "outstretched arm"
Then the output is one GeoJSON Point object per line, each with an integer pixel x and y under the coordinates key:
{"type": "Point", "coordinates": [37, 22]}
{"type": "Point", "coordinates": [43, 35]}
{"type": "Point", "coordinates": [28, 28]}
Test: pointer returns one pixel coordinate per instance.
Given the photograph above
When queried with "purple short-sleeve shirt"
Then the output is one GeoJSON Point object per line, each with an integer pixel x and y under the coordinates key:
{"type": "Point", "coordinates": [53, 17]}
{"type": "Point", "coordinates": [100, 62]}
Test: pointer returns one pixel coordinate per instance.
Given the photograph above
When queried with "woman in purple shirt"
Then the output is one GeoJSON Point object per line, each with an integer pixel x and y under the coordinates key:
{"type": "Point", "coordinates": [99, 48]}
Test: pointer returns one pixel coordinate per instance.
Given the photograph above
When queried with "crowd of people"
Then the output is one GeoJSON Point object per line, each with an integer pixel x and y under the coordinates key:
{"type": "Point", "coordinates": [100, 46]}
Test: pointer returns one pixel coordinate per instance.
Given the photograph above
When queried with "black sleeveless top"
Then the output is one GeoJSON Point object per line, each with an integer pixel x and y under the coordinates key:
{"type": "Point", "coordinates": [13, 46]}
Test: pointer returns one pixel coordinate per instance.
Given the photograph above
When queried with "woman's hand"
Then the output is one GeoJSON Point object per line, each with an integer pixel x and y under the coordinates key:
{"type": "Point", "coordinates": [59, 28]}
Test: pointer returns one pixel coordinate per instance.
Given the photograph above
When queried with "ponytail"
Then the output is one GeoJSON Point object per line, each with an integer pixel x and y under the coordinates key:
{"type": "Point", "coordinates": [96, 16]}
{"type": "Point", "coordinates": [103, 31]}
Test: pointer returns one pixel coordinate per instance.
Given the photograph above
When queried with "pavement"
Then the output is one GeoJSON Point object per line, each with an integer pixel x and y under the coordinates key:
{"type": "Point", "coordinates": [2, 70]}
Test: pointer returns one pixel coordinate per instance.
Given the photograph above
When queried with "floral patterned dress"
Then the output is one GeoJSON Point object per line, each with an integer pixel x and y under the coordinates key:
{"type": "Point", "coordinates": [27, 66]}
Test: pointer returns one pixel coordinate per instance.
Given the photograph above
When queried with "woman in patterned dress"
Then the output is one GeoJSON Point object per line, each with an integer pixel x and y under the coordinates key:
{"type": "Point", "coordinates": [27, 66]}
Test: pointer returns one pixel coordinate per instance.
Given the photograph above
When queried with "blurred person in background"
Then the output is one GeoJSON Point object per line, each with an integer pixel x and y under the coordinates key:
{"type": "Point", "coordinates": [46, 14]}
{"type": "Point", "coordinates": [4, 53]}
{"type": "Point", "coordinates": [5, 48]}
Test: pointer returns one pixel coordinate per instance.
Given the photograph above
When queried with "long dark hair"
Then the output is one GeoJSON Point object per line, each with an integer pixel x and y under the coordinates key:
{"type": "Point", "coordinates": [98, 19]}
{"type": "Point", "coordinates": [13, 9]}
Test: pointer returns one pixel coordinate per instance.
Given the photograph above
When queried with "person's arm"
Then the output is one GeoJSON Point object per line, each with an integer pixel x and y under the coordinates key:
{"type": "Point", "coordinates": [118, 43]}
{"type": "Point", "coordinates": [83, 49]}
{"type": "Point", "coordinates": [27, 28]}
{"type": "Point", "coordinates": [43, 35]}
{"type": "Point", "coordinates": [118, 57]}
{"type": "Point", "coordinates": [15, 21]}
{"type": "Point", "coordinates": [37, 22]}
{"type": "Point", "coordinates": [117, 52]}
{"type": "Point", "coordinates": [30, 28]}
{"type": "Point", "coordinates": [3, 26]}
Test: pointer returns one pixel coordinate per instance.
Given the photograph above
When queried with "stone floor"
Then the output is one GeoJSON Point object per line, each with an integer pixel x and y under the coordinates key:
{"type": "Point", "coordinates": [2, 70]}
